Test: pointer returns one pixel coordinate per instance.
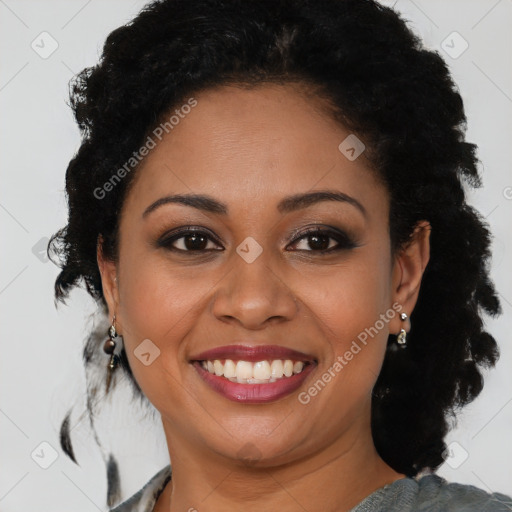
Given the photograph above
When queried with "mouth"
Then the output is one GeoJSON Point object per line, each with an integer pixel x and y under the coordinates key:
{"type": "Point", "coordinates": [253, 374]}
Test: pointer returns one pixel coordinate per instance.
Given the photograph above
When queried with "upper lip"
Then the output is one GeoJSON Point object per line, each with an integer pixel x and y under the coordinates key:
{"type": "Point", "coordinates": [252, 353]}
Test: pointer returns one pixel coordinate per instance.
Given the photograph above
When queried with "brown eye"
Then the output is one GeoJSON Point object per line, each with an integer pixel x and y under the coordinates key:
{"type": "Point", "coordinates": [189, 241]}
{"type": "Point", "coordinates": [320, 240]}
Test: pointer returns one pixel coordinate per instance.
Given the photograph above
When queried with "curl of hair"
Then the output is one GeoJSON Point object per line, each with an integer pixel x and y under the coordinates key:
{"type": "Point", "coordinates": [383, 85]}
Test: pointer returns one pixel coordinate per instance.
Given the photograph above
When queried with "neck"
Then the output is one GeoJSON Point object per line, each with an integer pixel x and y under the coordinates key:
{"type": "Point", "coordinates": [336, 478]}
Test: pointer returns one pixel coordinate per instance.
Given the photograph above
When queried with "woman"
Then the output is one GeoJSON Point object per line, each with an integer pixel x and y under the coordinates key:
{"type": "Point", "coordinates": [268, 205]}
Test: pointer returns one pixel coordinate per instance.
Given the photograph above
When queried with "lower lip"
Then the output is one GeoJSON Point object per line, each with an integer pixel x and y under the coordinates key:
{"type": "Point", "coordinates": [254, 393]}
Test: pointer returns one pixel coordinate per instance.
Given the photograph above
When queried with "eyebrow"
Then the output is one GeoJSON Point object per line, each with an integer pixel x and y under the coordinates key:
{"type": "Point", "coordinates": [286, 205]}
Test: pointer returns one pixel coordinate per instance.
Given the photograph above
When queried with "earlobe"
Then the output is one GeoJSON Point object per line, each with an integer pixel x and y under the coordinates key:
{"type": "Point", "coordinates": [108, 272]}
{"type": "Point", "coordinates": [410, 264]}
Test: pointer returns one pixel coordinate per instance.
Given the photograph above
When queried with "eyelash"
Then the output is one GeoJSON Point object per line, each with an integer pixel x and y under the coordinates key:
{"type": "Point", "coordinates": [344, 241]}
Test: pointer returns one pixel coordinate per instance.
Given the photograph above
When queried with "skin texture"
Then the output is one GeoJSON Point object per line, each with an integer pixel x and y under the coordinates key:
{"type": "Point", "coordinates": [249, 148]}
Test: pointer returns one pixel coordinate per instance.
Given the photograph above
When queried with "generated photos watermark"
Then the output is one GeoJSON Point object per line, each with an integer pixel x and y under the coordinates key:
{"type": "Point", "coordinates": [305, 397]}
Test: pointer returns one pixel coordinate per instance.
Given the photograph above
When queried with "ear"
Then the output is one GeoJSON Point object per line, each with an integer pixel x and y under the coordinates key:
{"type": "Point", "coordinates": [108, 271]}
{"type": "Point", "coordinates": [408, 268]}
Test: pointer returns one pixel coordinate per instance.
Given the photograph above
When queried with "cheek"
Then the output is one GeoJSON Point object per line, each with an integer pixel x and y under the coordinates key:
{"type": "Point", "coordinates": [352, 303]}
{"type": "Point", "coordinates": [158, 297]}
{"type": "Point", "coordinates": [158, 308]}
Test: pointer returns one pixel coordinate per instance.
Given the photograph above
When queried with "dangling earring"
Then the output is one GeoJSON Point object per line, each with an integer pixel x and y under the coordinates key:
{"type": "Point", "coordinates": [109, 347]}
{"type": "Point", "coordinates": [401, 339]}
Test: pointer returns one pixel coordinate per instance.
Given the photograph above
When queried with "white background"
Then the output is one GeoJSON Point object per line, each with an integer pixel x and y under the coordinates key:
{"type": "Point", "coordinates": [41, 370]}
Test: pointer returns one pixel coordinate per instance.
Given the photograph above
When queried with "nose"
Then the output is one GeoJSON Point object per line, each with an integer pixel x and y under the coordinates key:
{"type": "Point", "coordinates": [253, 295]}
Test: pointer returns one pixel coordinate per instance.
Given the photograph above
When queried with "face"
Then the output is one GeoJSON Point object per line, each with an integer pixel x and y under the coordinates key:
{"type": "Point", "coordinates": [252, 276]}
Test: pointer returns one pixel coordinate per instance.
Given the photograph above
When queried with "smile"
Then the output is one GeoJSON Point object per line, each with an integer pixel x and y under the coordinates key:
{"type": "Point", "coordinates": [253, 374]}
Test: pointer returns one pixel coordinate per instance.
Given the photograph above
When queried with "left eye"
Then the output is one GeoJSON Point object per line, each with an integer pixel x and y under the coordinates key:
{"type": "Point", "coordinates": [319, 240]}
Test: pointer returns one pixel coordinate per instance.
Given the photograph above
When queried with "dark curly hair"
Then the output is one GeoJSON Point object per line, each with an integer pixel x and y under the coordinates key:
{"type": "Point", "coordinates": [382, 85]}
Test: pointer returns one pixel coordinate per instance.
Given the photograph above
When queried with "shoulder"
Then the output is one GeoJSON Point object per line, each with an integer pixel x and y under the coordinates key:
{"type": "Point", "coordinates": [145, 499]}
{"type": "Point", "coordinates": [455, 497]}
{"type": "Point", "coordinates": [432, 493]}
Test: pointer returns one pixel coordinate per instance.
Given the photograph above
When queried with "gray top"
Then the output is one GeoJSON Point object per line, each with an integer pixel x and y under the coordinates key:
{"type": "Point", "coordinates": [428, 493]}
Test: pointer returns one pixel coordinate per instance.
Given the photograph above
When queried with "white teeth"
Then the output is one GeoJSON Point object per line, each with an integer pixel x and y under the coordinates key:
{"type": "Point", "coordinates": [218, 367]}
{"type": "Point", "coordinates": [297, 367]}
{"type": "Point", "coordinates": [243, 370]}
{"type": "Point", "coordinates": [229, 369]}
{"type": "Point", "coordinates": [276, 369]}
{"type": "Point", "coordinates": [260, 372]}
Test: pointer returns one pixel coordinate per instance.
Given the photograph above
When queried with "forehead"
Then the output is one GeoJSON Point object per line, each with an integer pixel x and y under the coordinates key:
{"type": "Point", "coordinates": [252, 146]}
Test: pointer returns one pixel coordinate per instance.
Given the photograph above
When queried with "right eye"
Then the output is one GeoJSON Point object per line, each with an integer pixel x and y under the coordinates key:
{"type": "Point", "coordinates": [190, 240]}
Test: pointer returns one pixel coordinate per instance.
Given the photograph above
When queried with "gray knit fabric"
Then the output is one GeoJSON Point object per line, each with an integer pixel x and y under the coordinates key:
{"type": "Point", "coordinates": [432, 493]}
{"type": "Point", "coordinates": [429, 493]}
